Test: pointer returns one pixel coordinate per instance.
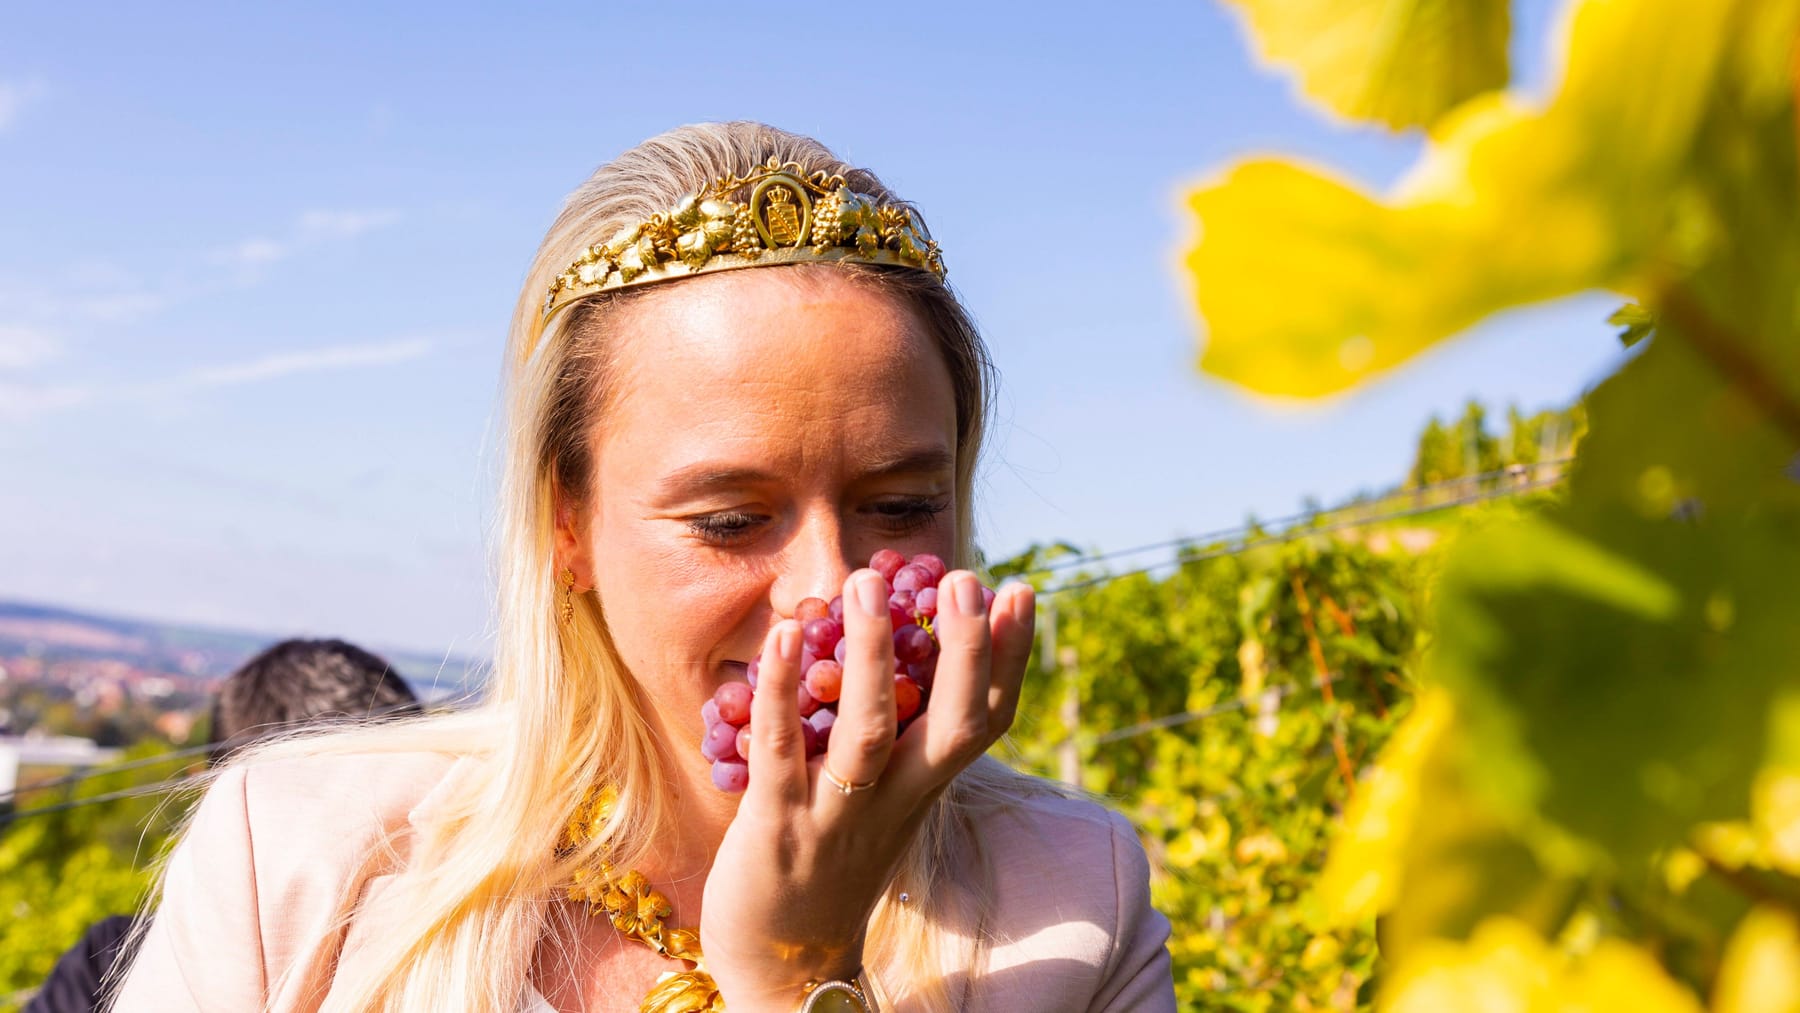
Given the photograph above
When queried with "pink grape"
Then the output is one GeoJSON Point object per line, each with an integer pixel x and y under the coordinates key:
{"type": "Point", "coordinates": [821, 722]}
{"type": "Point", "coordinates": [709, 712]}
{"type": "Point", "coordinates": [933, 567]}
{"type": "Point", "coordinates": [743, 741]}
{"type": "Point", "coordinates": [912, 577]}
{"type": "Point", "coordinates": [809, 739]}
{"type": "Point", "coordinates": [836, 609]}
{"type": "Point", "coordinates": [911, 643]}
{"type": "Point", "coordinates": [897, 616]}
{"type": "Point", "coordinates": [908, 698]}
{"type": "Point", "coordinates": [720, 742]}
{"type": "Point", "coordinates": [987, 598]}
{"type": "Point", "coordinates": [905, 601]}
{"type": "Point", "coordinates": [810, 609]}
{"type": "Point", "coordinates": [926, 601]}
{"type": "Point", "coordinates": [825, 680]}
{"type": "Point", "coordinates": [734, 702]}
{"type": "Point", "coordinates": [808, 702]}
{"type": "Point", "coordinates": [750, 672]}
{"type": "Point", "coordinates": [731, 775]}
{"type": "Point", "coordinates": [841, 651]}
{"type": "Point", "coordinates": [887, 562]}
{"type": "Point", "coordinates": [822, 635]}
{"type": "Point", "coordinates": [923, 672]}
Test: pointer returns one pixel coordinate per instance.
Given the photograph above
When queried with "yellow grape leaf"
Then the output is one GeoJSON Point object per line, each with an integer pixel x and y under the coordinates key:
{"type": "Point", "coordinates": [1438, 875]}
{"type": "Point", "coordinates": [1505, 967]}
{"type": "Point", "coordinates": [1775, 808]}
{"type": "Point", "coordinates": [1308, 285]}
{"type": "Point", "coordinates": [1618, 977]}
{"type": "Point", "coordinates": [1399, 62]}
{"type": "Point", "coordinates": [1760, 972]}
{"type": "Point", "coordinates": [1363, 873]}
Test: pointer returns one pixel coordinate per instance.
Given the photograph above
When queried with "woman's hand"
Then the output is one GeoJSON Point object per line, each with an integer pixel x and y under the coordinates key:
{"type": "Point", "coordinates": [803, 864]}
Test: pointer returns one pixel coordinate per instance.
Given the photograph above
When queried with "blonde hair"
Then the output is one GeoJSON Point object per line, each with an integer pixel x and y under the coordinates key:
{"type": "Point", "coordinates": [463, 919]}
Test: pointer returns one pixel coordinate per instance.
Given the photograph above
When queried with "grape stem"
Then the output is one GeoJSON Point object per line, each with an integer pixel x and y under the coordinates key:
{"type": "Point", "coordinates": [1317, 650]}
{"type": "Point", "coordinates": [1765, 886]}
{"type": "Point", "coordinates": [1729, 356]}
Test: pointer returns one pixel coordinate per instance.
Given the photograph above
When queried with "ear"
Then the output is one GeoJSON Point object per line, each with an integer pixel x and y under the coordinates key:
{"type": "Point", "coordinates": [572, 547]}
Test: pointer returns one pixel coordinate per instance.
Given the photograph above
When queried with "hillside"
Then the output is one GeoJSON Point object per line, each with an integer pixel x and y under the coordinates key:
{"type": "Point", "coordinates": [39, 641]}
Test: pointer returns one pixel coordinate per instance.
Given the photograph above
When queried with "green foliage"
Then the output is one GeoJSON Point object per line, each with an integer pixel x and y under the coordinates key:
{"type": "Point", "coordinates": [61, 872]}
{"type": "Point", "coordinates": [1682, 654]}
{"type": "Point", "coordinates": [1469, 446]}
{"type": "Point", "coordinates": [1636, 321]}
{"type": "Point", "coordinates": [1236, 805]}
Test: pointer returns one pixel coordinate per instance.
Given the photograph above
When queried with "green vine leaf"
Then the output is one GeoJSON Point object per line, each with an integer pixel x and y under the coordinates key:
{"type": "Point", "coordinates": [1616, 674]}
{"type": "Point", "coordinates": [1637, 323]}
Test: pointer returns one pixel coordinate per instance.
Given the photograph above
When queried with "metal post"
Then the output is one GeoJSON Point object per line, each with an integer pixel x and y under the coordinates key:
{"type": "Point", "coordinates": [1069, 753]}
{"type": "Point", "coordinates": [1062, 663]}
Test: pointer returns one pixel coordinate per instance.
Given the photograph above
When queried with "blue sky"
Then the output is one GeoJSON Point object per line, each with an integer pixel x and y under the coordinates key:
{"type": "Point", "coordinates": [256, 264]}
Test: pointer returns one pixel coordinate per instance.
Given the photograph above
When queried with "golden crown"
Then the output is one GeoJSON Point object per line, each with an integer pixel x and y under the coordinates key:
{"type": "Point", "coordinates": [790, 217]}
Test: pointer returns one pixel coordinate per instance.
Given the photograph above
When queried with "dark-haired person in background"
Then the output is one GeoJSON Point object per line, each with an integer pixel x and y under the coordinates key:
{"type": "Point", "coordinates": [300, 682]}
{"type": "Point", "coordinates": [293, 683]}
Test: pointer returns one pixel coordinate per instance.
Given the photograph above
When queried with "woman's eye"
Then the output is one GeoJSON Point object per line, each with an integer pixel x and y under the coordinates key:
{"type": "Point", "coordinates": [726, 526]}
{"type": "Point", "coordinates": [902, 516]}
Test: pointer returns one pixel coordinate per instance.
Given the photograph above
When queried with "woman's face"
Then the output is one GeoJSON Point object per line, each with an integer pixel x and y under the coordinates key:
{"type": "Point", "coordinates": [766, 432]}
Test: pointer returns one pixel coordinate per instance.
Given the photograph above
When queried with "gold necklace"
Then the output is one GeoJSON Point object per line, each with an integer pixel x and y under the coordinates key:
{"type": "Point", "coordinates": [637, 912]}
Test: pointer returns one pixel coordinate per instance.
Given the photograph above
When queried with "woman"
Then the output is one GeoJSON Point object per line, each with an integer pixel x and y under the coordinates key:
{"type": "Point", "coordinates": [736, 372]}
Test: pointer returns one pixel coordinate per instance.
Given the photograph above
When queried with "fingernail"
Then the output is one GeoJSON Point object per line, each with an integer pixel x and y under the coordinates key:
{"type": "Point", "coordinates": [968, 596]}
{"type": "Point", "coordinates": [1024, 604]}
{"type": "Point", "coordinates": [871, 595]}
{"type": "Point", "coordinates": [787, 641]}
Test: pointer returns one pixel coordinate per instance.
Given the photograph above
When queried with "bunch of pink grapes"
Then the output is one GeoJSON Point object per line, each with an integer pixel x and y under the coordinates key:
{"type": "Point", "coordinates": [912, 605]}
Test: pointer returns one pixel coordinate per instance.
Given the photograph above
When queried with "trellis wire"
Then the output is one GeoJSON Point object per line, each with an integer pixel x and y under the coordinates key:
{"type": "Point", "coordinates": [1288, 534]}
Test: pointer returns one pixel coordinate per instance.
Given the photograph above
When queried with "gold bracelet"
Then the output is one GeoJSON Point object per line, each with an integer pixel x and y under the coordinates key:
{"type": "Point", "coordinates": [839, 997]}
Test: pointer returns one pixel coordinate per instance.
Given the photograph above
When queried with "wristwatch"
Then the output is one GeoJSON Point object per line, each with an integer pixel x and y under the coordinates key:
{"type": "Point", "coordinates": [839, 997]}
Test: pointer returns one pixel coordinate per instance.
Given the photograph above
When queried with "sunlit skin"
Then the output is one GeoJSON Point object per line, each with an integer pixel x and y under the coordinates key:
{"type": "Point", "coordinates": [767, 431]}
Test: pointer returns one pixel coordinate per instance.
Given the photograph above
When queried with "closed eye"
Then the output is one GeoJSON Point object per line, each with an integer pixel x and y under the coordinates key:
{"type": "Point", "coordinates": [726, 526]}
{"type": "Point", "coordinates": [907, 514]}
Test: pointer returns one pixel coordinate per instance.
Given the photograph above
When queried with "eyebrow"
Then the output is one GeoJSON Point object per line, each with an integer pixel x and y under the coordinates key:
{"type": "Point", "coordinates": [704, 476]}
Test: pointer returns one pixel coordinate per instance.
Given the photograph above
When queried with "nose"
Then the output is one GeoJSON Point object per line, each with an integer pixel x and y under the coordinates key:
{"type": "Point", "coordinates": [814, 564]}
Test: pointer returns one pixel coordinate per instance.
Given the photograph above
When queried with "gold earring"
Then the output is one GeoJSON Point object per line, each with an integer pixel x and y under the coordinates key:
{"type": "Point", "coordinates": [567, 577]}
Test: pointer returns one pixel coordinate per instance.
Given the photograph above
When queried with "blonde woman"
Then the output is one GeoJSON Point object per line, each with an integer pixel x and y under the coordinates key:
{"type": "Point", "coordinates": [735, 372]}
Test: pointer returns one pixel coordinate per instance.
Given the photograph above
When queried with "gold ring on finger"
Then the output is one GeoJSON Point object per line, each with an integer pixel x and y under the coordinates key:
{"type": "Point", "coordinates": [843, 787]}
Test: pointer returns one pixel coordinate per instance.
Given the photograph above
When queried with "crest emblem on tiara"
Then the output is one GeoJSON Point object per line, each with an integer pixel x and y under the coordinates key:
{"type": "Point", "coordinates": [782, 211]}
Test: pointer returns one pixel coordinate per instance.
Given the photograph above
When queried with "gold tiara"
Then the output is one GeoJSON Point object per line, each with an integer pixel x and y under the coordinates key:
{"type": "Point", "coordinates": [790, 217]}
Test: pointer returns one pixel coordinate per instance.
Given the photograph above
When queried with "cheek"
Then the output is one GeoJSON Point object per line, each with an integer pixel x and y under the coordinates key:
{"type": "Point", "coordinates": [674, 614]}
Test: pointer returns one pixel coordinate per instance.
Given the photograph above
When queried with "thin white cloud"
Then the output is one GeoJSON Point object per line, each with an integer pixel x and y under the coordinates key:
{"type": "Point", "coordinates": [25, 347]}
{"type": "Point", "coordinates": [91, 290]}
{"type": "Point", "coordinates": [274, 367]}
{"type": "Point", "coordinates": [21, 401]}
{"type": "Point", "coordinates": [15, 96]}
{"type": "Point", "coordinates": [311, 229]}
{"type": "Point", "coordinates": [24, 401]}
{"type": "Point", "coordinates": [344, 224]}
{"type": "Point", "coordinates": [256, 252]}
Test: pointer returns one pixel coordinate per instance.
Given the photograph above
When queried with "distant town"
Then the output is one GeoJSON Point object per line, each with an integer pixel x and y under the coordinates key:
{"type": "Point", "coordinates": [118, 681]}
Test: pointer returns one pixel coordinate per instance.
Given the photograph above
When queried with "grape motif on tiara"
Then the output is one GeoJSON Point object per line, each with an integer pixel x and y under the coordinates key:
{"type": "Point", "coordinates": [789, 217]}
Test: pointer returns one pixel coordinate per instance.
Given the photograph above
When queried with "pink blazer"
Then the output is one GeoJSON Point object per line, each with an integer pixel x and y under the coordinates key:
{"type": "Point", "coordinates": [280, 850]}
